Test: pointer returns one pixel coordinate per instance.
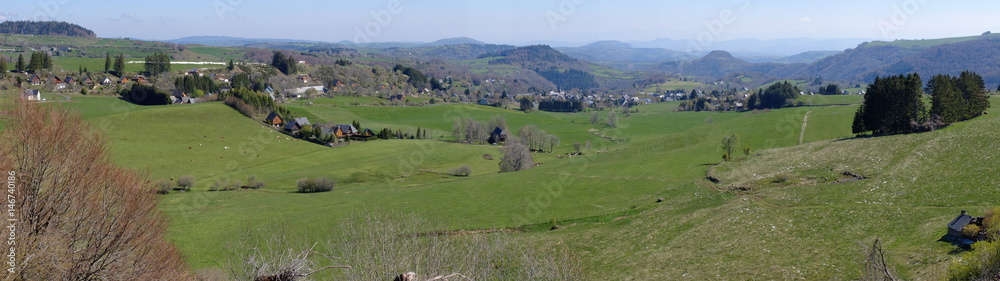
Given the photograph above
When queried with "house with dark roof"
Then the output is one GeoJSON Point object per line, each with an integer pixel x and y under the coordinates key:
{"type": "Point", "coordinates": [34, 95]}
{"type": "Point", "coordinates": [87, 81]}
{"type": "Point", "coordinates": [35, 80]}
{"type": "Point", "coordinates": [956, 225]}
{"type": "Point", "coordinates": [497, 136]}
{"type": "Point", "coordinates": [274, 119]}
{"type": "Point", "coordinates": [348, 130]}
{"type": "Point", "coordinates": [296, 124]}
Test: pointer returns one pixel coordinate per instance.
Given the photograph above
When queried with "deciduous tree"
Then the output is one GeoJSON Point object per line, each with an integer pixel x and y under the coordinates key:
{"type": "Point", "coordinates": [79, 216]}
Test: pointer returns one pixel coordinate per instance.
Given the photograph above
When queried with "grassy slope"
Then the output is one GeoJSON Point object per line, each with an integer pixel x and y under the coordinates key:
{"type": "Point", "coordinates": [923, 44]}
{"type": "Point", "coordinates": [603, 201]}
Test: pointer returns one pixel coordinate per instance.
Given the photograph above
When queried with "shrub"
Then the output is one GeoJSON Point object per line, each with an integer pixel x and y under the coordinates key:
{"type": "Point", "coordinates": [307, 185]}
{"type": "Point", "coordinates": [970, 230]}
{"type": "Point", "coordinates": [235, 185]}
{"type": "Point", "coordinates": [218, 185]}
{"type": "Point", "coordinates": [164, 186]}
{"type": "Point", "coordinates": [253, 183]}
{"type": "Point", "coordinates": [83, 217]}
{"type": "Point", "coordinates": [462, 171]}
{"type": "Point", "coordinates": [186, 182]}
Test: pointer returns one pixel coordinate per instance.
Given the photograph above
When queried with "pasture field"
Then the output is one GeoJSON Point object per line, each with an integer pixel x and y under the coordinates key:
{"type": "Point", "coordinates": [776, 213]}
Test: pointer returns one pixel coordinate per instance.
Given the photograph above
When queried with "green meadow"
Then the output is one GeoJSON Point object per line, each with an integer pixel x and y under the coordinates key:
{"type": "Point", "coordinates": [777, 213]}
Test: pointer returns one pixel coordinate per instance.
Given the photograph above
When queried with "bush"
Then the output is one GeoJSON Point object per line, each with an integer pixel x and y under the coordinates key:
{"type": "Point", "coordinates": [218, 185]}
{"type": "Point", "coordinates": [164, 187]}
{"type": "Point", "coordinates": [307, 185]}
{"type": "Point", "coordinates": [186, 182]}
{"type": "Point", "coordinates": [970, 230]}
{"type": "Point", "coordinates": [462, 171]}
{"type": "Point", "coordinates": [235, 185]}
{"type": "Point", "coordinates": [253, 183]}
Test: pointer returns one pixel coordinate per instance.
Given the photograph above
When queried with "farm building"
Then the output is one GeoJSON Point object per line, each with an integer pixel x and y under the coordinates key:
{"type": "Point", "coordinates": [274, 120]}
{"type": "Point", "coordinates": [956, 225]}
{"type": "Point", "coordinates": [497, 136]}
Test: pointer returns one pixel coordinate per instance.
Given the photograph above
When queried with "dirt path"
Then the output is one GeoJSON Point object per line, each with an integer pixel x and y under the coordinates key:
{"type": "Point", "coordinates": [805, 122]}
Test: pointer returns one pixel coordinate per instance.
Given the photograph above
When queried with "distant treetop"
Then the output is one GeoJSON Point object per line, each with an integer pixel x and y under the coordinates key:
{"type": "Point", "coordinates": [54, 28]}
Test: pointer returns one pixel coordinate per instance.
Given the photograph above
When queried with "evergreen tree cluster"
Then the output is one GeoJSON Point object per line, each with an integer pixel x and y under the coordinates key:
{"type": "Point", "coordinates": [157, 63]}
{"type": "Point", "coordinates": [3, 66]}
{"type": "Point", "coordinates": [191, 83]}
{"type": "Point", "coordinates": [259, 102]}
{"type": "Point", "coordinates": [39, 61]}
{"type": "Point", "coordinates": [570, 79]}
{"type": "Point", "coordinates": [829, 90]}
{"type": "Point", "coordinates": [244, 80]}
{"type": "Point", "coordinates": [417, 78]}
{"type": "Point", "coordinates": [892, 105]}
{"type": "Point", "coordinates": [957, 99]}
{"type": "Point", "coordinates": [285, 64]}
{"type": "Point", "coordinates": [553, 105]}
{"type": "Point", "coordinates": [119, 67]}
{"type": "Point", "coordinates": [776, 96]}
{"type": "Point", "coordinates": [51, 28]}
{"type": "Point", "coordinates": [145, 95]}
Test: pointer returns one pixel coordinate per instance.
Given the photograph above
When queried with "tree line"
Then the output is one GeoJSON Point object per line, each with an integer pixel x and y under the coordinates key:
{"type": "Point", "coordinates": [775, 96]}
{"type": "Point", "coordinates": [191, 84]}
{"type": "Point", "coordinates": [895, 105]}
{"type": "Point", "coordinates": [157, 63]}
{"type": "Point", "coordinates": [285, 64]}
{"type": "Point", "coordinates": [51, 28]}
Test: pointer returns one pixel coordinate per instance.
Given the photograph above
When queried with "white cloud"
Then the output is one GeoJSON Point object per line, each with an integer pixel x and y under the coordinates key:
{"type": "Point", "coordinates": [806, 19]}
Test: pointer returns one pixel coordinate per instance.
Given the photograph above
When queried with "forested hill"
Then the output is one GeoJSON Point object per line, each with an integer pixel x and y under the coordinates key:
{"type": "Point", "coordinates": [52, 28]}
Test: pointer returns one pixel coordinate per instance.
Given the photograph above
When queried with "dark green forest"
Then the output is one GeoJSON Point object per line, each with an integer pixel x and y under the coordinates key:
{"type": "Point", "coordinates": [52, 28]}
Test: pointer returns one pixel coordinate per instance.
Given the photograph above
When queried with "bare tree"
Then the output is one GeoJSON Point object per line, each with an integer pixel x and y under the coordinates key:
{"type": "Point", "coordinates": [458, 130]}
{"type": "Point", "coordinates": [876, 268]}
{"type": "Point", "coordinates": [496, 121]}
{"type": "Point", "coordinates": [80, 217]}
{"type": "Point", "coordinates": [612, 119]}
{"type": "Point", "coordinates": [270, 252]}
{"type": "Point", "coordinates": [381, 246]}
{"type": "Point", "coordinates": [595, 118]}
{"type": "Point", "coordinates": [516, 157]}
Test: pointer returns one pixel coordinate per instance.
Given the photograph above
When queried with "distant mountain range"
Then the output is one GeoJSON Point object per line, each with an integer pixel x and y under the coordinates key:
{"type": "Point", "coordinates": [860, 62]}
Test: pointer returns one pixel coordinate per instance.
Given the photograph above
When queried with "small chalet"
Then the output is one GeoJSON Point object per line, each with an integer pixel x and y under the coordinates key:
{"type": "Point", "coordinates": [274, 120]}
{"type": "Point", "coordinates": [33, 95]}
{"type": "Point", "coordinates": [140, 79]}
{"type": "Point", "coordinates": [124, 80]}
{"type": "Point", "coordinates": [180, 97]}
{"type": "Point", "coordinates": [296, 124]}
{"type": "Point", "coordinates": [69, 80]}
{"type": "Point", "coordinates": [107, 81]}
{"type": "Point", "coordinates": [396, 97]}
{"type": "Point", "coordinates": [497, 136]}
{"type": "Point", "coordinates": [484, 101]}
{"type": "Point", "coordinates": [220, 77]}
{"type": "Point", "coordinates": [195, 72]}
{"type": "Point", "coordinates": [35, 80]}
{"type": "Point", "coordinates": [367, 133]}
{"type": "Point", "coordinates": [348, 130]}
{"type": "Point", "coordinates": [53, 80]}
{"type": "Point", "coordinates": [87, 81]}
{"type": "Point", "coordinates": [304, 78]}
{"type": "Point", "coordinates": [956, 225]}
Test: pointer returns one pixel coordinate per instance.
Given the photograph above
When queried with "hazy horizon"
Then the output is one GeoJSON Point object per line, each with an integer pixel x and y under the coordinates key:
{"type": "Point", "coordinates": [518, 22]}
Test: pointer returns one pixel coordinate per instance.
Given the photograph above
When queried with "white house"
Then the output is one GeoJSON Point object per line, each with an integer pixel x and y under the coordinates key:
{"type": "Point", "coordinates": [34, 95]}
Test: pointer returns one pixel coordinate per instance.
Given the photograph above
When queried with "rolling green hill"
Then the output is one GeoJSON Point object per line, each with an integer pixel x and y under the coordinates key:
{"type": "Point", "coordinates": [593, 196]}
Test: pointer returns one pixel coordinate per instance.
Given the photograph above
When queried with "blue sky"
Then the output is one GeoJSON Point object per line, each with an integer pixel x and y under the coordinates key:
{"type": "Point", "coordinates": [519, 21]}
